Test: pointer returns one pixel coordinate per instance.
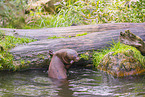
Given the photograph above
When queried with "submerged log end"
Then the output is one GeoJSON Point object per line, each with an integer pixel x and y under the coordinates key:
{"type": "Point", "coordinates": [131, 39]}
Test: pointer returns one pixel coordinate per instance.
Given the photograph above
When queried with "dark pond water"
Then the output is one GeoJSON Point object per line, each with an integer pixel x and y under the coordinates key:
{"type": "Point", "coordinates": [80, 83]}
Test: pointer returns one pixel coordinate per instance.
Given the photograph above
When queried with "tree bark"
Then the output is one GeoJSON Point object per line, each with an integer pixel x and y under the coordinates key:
{"type": "Point", "coordinates": [131, 39]}
{"type": "Point", "coordinates": [42, 34]}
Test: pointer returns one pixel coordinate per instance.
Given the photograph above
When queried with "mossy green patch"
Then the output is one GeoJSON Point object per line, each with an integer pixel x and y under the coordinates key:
{"type": "Point", "coordinates": [28, 62]}
{"type": "Point", "coordinates": [22, 62]}
{"type": "Point", "coordinates": [81, 34]}
{"type": "Point", "coordinates": [118, 48]}
{"type": "Point", "coordinates": [85, 56]}
{"type": "Point", "coordinates": [8, 42]}
{"type": "Point", "coordinates": [55, 37]}
{"type": "Point", "coordinates": [6, 60]}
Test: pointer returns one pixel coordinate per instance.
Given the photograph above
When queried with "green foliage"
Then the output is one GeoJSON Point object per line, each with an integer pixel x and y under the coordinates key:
{"type": "Point", "coordinates": [85, 56]}
{"type": "Point", "coordinates": [100, 11]}
{"type": "Point", "coordinates": [68, 14]}
{"type": "Point", "coordinates": [117, 48]}
{"type": "Point", "coordinates": [12, 13]}
{"type": "Point", "coordinates": [6, 61]}
{"type": "Point", "coordinates": [8, 42]}
{"type": "Point", "coordinates": [22, 62]}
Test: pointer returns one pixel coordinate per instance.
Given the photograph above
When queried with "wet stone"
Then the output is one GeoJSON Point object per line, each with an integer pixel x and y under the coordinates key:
{"type": "Point", "coordinates": [121, 64]}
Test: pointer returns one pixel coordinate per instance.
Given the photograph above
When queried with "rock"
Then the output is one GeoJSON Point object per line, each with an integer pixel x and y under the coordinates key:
{"type": "Point", "coordinates": [121, 64]}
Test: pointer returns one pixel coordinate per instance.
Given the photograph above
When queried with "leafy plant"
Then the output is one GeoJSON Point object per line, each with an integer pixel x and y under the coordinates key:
{"type": "Point", "coordinates": [12, 13]}
{"type": "Point", "coordinates": [85, 56]}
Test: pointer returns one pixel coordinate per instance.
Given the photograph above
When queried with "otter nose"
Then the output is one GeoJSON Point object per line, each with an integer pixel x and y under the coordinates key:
{"type": "Point", "coordinates": [77, 59]}
{"type": "Point", "coordinates": [72, 61]}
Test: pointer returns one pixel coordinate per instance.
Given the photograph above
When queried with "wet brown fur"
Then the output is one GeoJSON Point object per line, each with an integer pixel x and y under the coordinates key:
{"type": "Point", "coordinates": [57, 69]}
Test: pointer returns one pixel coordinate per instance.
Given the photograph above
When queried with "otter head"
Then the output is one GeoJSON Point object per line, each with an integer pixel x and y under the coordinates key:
{"type": "Point", "coordinates": [68, 56]}
{"type": "Point", "coordinates": [61, 60]}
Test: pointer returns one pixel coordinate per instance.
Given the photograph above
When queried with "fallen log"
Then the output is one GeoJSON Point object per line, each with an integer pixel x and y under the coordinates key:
{"type": "Point", "coordinates": [36, 54]}
{"type": "Point", "coordinates": [44, 33]}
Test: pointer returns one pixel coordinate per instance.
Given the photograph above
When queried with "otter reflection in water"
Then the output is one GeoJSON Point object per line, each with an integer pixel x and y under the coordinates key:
{"type": "Point", "coordinates": [57, 69]}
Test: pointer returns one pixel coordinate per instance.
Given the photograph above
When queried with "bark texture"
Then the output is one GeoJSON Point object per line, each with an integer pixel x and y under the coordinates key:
{"type": "Point", "coordinates": [133, 40]}
{"type": "Point", "coordinates": [36, 54]}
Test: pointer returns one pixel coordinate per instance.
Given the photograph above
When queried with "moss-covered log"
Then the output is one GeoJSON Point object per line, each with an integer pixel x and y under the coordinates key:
{"type": "Point", "coordinates": [36, 54]}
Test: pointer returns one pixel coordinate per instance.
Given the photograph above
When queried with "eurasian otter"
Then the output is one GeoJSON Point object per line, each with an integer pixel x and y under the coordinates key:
{"type": "Point", "coordinates": [57, 69]}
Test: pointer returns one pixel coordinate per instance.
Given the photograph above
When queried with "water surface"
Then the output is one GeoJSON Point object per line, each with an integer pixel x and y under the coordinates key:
{"type": "Point", "coordinates": [80, 83]}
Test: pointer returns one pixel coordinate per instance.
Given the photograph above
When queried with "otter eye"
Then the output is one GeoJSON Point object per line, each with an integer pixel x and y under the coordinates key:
{"type": "Point", "coordinates": [74, 57]}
